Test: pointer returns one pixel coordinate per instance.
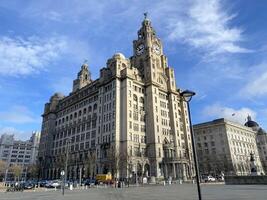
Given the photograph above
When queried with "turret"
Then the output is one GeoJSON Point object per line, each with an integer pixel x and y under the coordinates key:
{"type": "Point", "coordinates": [83, 78]}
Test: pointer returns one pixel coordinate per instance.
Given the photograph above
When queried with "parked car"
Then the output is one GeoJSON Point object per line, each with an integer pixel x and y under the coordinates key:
{"type": "Point", "coordinates": [48, 184]}
{"type": "Point", "coordinates": [56, 183]}
{"type": "Point", "coordinates": [220, 178]}
{"type": "Point", "coordinates": [208, 178]}
{"type": "Point", "coordinates": [89, 182]}
{"type": "Point", "coordinates": [42, 183]}
{"type": "Point", "coordinates": [28, 185]}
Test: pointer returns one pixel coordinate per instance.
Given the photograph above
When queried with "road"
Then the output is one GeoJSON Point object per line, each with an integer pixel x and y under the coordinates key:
{"type": "Point", "coordinates": [156, 192]}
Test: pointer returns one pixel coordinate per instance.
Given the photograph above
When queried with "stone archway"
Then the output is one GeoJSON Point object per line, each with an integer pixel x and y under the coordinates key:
{"type": "Point", "coordinates": [139, 169]}
{"type": "Point", "coordinates": [147, 170]}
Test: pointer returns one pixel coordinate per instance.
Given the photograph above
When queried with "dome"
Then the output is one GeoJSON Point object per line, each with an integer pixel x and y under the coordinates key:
{"type": "Point", "coordinates": [84, 65]}
{"type": "Point", "coordinates": [58, 94]}
{"type": "Point", "coordinates": [251, 123]}
{"type": "Point", "coordinates": [261, 131]}
{"type": "Point", "coordinates": [118, 55]}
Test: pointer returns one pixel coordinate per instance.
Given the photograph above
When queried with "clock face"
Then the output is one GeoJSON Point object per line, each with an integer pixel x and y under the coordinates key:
{"type": "Point", "coordinates": [156, 49]}
{"type": "Point", "coordinates": [140, 49]}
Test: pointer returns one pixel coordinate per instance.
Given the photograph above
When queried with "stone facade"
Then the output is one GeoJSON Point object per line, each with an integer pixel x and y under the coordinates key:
{"type": "Point", "coordinates": [262, 147]}
{"type": "Point", "coordinates": [130, 121]}
{"type": "Point", "coordinates": [224, 147]}
{"type": "Point", "coordinates": [23, 153]}
{"type": "Point", "coordinates": [261, 141]}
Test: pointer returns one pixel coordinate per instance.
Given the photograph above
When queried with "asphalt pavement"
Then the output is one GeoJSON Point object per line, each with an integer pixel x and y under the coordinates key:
{"type": "Point", "coordinates": [153, 192]}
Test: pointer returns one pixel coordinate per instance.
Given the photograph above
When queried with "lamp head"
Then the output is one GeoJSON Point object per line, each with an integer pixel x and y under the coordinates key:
{"type": "Point", "coordinates": [187, 95]}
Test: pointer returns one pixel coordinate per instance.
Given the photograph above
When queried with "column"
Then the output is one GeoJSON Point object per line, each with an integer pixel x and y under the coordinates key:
{"type": "Point", "coordinates": [174, 171]}
{"type": "Point", "coordinates": [184, 171]}
{"type": "Point", "coordinates": [178, 172]}
{"type": "Point", "coordinates": [50, 171]}
{"type": "Point", "coordinates": [165, 171]}
{"type": "Point", "coordinates": [75, 172]}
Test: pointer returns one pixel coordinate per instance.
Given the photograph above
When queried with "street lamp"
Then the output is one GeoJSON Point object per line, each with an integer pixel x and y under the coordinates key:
{"type": "Point", "coordinates": [62, 173]}
{"type": "Point", "coordinates": [187, 96]}
{"type": "Point", "coordinates": [65, 173]}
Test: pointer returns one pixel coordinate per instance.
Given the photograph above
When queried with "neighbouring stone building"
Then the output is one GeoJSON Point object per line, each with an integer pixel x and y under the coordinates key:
{"type": "Point", "coordinates": [130, 121]}
{"type": "Point", "coordinates": [262, 147]}
{"type": "Point", "coordinates": [261, 141]}
{"type": "Point", "coordinates": [224, 146]}
{"type": "Point", "coordinates": [23, 153]}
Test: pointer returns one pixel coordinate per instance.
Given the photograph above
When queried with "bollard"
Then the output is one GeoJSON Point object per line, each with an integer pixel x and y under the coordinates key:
{"type": "Point", "coordinates": [86, 187]}
{"type": "Point", "coordinates": [163, 183]}
{"type": "Point", "coordinates": [55, 188]}
{"type": "Point", "coordinates": [180, 181]}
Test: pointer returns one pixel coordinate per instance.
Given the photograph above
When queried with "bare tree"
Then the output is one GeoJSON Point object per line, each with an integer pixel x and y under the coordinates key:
{"type": "Point", "coordinates": [114, 159]}
{"type": "Point", "coordinates": [126, 164]}
{"type": "Point", "coordinates": [90, 162]}
{"type": "Point", "coordinates": [2, 166]}
{"type": "Point", "coordinates": [61, 161]}
{"type": "Point", "coordinates": [16, 170]}
{"type": "Point", "coordinates": [32, 171]}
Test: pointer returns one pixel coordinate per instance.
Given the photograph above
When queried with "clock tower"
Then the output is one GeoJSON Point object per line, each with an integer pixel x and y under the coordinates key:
{"type": "Point", "coordinates": [148, 55]}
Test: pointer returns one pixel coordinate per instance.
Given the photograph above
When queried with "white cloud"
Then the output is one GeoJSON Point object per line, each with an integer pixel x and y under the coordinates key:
{"type": "Point", "coordinates": [205, 25]}
{"type": "Point", "coordinates": [23, 56]}
{"type": "Point", "coordinates": [254, 82]}
{"type": "Point", "coordinates": [52, 15]}
{"type": "Point", "coordinates": [237, 115]}
{"type": "Point", "coordinates": [19, 115]}
{"type": "Point", "coordinates": [255, 87]}
{"type": "Point", "coordinates": [13, 131]}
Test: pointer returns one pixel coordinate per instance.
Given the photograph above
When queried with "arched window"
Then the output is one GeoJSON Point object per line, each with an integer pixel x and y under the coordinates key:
{"type": "Point", "coordinates": [89, 108]}
{"type": "Point", "coordinates": [95, 106]}
{"type": "Point", "coordinates": [134, 97]}
{"type": "Point", "coordinates": [123, 66]}
{"type": "Point", "coordinates": [141, 100]}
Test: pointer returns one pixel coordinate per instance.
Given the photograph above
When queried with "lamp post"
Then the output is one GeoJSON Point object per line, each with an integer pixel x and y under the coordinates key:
{"type": "Point", "coordinates": [65, 172]}
{"type": "Point", "coordinates": [187, 96]}
{"type": "Point", "coordinates": [62, 173]}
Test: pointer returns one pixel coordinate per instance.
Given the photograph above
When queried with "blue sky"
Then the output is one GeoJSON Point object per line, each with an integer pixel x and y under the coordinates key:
{"type": "Point", "coordinates": [218, 49]}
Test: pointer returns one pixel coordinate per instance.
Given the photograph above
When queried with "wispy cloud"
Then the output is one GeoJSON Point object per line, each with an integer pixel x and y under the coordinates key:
{"type": "Point", "coordinates": [23, 56]}
{"type": "Point", "coordinates": [19, 115]}
{"type": "Point", "coordinates": [205, 26]}
{"type": "Point", "coordinates": [52, 15]}
{"type": "Point", "coordinates": [256, 82]}
{"type": "Point", "coordinates": [219, 111]}
{"type": "Point", "coordinates": [18, 134]}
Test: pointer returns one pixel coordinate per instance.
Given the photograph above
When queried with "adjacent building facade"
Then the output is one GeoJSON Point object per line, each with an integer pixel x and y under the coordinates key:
{"type": "Point", "coordinates": [130, 121]}
{"type": "Point", "coordinates": [261, 141]}
{"type": "Point", "coordinates": [225, 147]}
{"type": "Point", "coordinates": [262, 147]}
{"type": "Point", "coordinates": [23, 153]}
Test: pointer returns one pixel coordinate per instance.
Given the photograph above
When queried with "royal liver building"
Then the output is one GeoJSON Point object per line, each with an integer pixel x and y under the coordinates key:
{"type": "Point", "coordinates": [131, 121]}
